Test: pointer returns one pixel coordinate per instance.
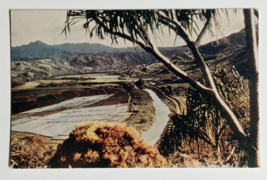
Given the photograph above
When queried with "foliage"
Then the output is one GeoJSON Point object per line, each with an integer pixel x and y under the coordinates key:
{"type": "Point", "coordinates": [234, 90]}
{"type": "Point", "coordinates": [204, 114]}
{"type": "Point", "coordinates": [106, 145]}
{"type": "Point", "coordinates": [139, 83]}
{"type": "Point", "coordinates": [204, 122]}
{"type": "Point", "coordinates": [30, 152]}
{"type": "Point", "coordinates": [137, 23]}
{"type": "Point", "coordinates": [138, 27]}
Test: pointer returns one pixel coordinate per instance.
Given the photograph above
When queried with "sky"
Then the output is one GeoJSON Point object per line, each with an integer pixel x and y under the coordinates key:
{"type": "Point", "coordinates": [46, 25]}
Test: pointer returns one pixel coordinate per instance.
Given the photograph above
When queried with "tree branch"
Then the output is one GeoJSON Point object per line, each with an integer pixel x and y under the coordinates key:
{"type": "Point", "coordinates": [176, 70]}
{"type": "Point", "coordinates": [192, 46]}
{"type": "Point", "coordinates": [203, 31]}
{"type": "Point", "coordinates": [154, 51]}
{"type": "Point", "coordinates": [122, 35]}
{"type": "Point", "coordinates": [210, 87]}
{"type": "Point", "coordinates": [175, 27]}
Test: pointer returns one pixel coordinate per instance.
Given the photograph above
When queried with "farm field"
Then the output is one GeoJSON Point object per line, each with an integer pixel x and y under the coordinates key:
{"type": "Point", "coordinates": [67, 115]}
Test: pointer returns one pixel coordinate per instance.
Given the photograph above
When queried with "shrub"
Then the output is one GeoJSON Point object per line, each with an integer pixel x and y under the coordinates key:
{"type": "Point", "coordinates": [106, 145]}
{"type": "Point", "coordinates": [30, 152]}
{"type": "Point", "coordinates": [203, 130]}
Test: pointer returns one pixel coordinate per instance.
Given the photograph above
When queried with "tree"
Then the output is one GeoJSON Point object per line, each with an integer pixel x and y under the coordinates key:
{"type": "Point", "coordinates": [137, 26]}
{"type": "Point", "coordinates": [254, 160]}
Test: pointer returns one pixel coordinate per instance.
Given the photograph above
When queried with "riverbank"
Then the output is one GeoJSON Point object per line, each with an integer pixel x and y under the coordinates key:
{"type": "Point", "coordinates": [48, 103]}
{"type": "Point", "coordinates": [142, 113]}
{"type": "Point", "coordinates": [141, 110]}
{"type": "Point", "coordinates": [174, 105]}
{"type": "Point", "coordinates": [153, 135]}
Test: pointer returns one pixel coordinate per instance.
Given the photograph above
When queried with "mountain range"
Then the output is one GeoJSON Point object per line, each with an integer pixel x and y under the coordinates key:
{"type": "Point", "coordinates": [38, 60]}
{"type": "Point", "coordinates": [39, 50]}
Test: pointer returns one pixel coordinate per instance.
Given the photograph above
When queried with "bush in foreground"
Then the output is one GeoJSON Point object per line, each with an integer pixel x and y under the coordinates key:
{"type": "Point", "coordinates": [106, 145]}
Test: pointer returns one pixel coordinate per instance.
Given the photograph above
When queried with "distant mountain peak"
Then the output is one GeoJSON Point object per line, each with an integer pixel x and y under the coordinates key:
{"type": "Point", "coordinates": [38, 42]}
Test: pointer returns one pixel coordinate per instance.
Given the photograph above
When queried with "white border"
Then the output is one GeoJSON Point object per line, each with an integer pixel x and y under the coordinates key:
{"type": "Point", "coordinates": [205, 173]}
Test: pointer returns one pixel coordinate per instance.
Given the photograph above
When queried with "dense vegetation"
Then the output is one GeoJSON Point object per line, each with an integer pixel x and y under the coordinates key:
{"type": "Point", "coordinates": [30, 152]}
{"type": "Point", "coordinates": [138, 26]}
{"type": "Point", "coordinates": [203, 131]}
{"type": "Point", "coordinates": [106, 145]}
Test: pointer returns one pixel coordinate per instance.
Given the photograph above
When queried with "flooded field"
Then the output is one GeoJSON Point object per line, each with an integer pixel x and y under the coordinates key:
{"type": "Point", "coordinates": [58, 120]}
{"type": "Point", "coordinates": [51, 113]}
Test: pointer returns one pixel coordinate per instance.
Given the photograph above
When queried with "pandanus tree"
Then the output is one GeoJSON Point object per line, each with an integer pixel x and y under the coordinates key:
{"type": "Point", "coordinates": [253, 149]}
{"type": "Point", "coordinates": [142, 26]}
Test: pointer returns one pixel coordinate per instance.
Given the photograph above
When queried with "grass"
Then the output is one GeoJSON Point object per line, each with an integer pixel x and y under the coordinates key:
{"type": "Point", "coordinates": [142, 110]}
{"type": "Point", "coordinates": [202, 134]}
{"type": "Point", "coordinates": [96, 79]}
{"type": "Point", "coordinates": [53, 143]}
{"type": "Point", "coordinates": [30, 152]}
{"type": "Point", "coordinates": [143, 117]}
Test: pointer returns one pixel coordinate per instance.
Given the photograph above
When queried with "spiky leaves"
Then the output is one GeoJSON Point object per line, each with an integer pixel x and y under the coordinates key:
{"type": "Point", "coordinates": [135, 23]}
{"type": "Point", "coordinates": [136, 26]}
{"type": "Point", "coordinates": [139, 24]}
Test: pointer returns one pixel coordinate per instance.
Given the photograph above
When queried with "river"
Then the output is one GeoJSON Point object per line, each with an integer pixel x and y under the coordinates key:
{"type": "Point", "coordinates": [74, 112]}
{"type": "Point", "coordinates": [162, 117]}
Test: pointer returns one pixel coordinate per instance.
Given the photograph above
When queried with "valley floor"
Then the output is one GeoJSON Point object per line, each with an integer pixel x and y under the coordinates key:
{"type": "Point", "coordinates": [106, 103]}
{"type": "Point", "coordinates": [55, 119]}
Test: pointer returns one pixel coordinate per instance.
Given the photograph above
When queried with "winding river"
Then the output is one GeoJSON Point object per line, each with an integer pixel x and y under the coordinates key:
{"type": "Point", "coordinates": [75, 112]}
{"type": "Point", "coordinates": [162, 117]}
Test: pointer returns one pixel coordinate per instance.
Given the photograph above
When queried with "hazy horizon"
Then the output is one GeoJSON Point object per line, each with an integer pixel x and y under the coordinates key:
{"type": "Point", "coordinates": [46, 26]}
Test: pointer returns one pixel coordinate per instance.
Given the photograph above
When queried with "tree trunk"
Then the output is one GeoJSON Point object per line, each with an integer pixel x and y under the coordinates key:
{"type": "Point", "coordinates": [253, 149]}
{"type": "Point", "coordinates": [212, 92]}
{"type": "Point", "coordinates": [209, 87]}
